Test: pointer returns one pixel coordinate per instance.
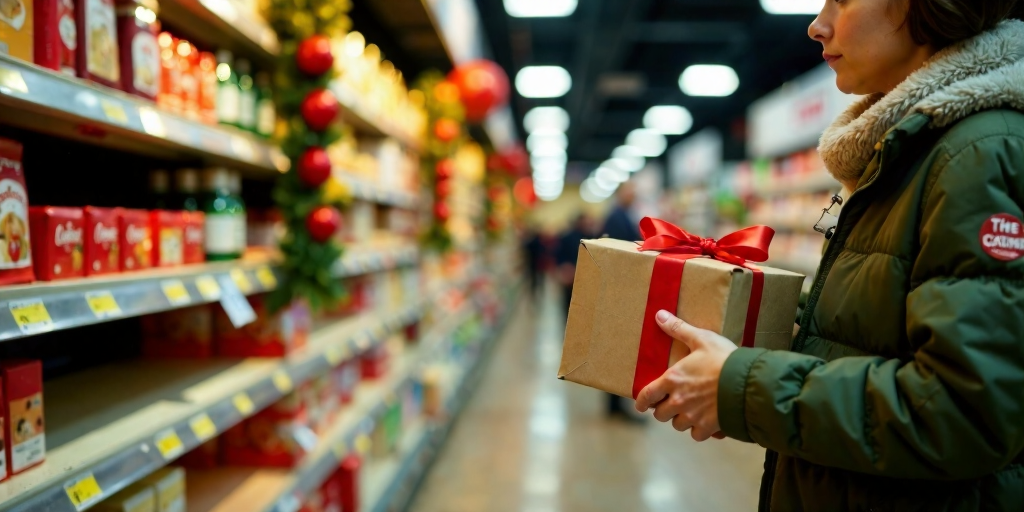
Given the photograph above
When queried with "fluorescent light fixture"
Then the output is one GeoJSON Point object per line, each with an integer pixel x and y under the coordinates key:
{"type": "Point", "coordinates": [709, 80]}
{"type": "Point", "coordinates": [546, 140]}
{"type": "Point", "coordinates": [611, 174]}
{"type": "Point", "coordinates": [548, 150]}
{"type": "Point", "coordinates": [542, 161]}
{"type": "Point", "coordinates": [605, 183]}
{"type": "Point", "coordinates": [540, 8]}
{"type": "Point", "coordinates": [627, 152]}
{"type": "Point", "coordinates": [668, 119]}
{"type": "Point", "coordinates": [547, 192]}
{"type": "Point", "coordinates": [649, 142]}
{"type": "Point", "coordinates": [589, 196]}
{"type": "Point", "coordinates": [549, 174]}
{"type": "Point", "coordinates": [787, 6]}
{"type": "Point", "coordinates": [546, 118]}
{"type": "Point", "coordinates": [543, 82]}
{"type": "Point", "coordinates": [625, 164]}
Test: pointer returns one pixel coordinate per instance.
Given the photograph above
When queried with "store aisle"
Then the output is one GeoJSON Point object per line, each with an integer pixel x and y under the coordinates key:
{"type": "Point", "coordinates": [528, 442]}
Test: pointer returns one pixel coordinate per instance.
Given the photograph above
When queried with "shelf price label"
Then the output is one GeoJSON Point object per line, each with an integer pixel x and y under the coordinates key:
{"type": "Point", "coordinates": [237, 307]}
{"type": "Point", "coordinates": [241, 281]}
{"type": "Point", "coordinates": [208, 288]}
{"type": "Point", "coordinates": [334, 355]}
{"type": "Point", "coordinates": [114, 112]}
{"type": "Point", "coordinates": [363, 444]}
{"type": "Point", "coordinates": [84, 492]}
{"type": "Point", "coordinates": [244, 404]}
{"type": "Point", "coordinates": [103, 304]}
{"type": "Point", "coordinates": [176, 292]}
{"type": "Point", "coordinates": [202, 426]}
{"type": "Point", "coordinates": [282, 381]}
{"type": "Point", "coordinates": [169, 444]}
{"type": "Point", "coordinates": [266, 278]}
{"type": "Point", "coordinates": [31, 316]}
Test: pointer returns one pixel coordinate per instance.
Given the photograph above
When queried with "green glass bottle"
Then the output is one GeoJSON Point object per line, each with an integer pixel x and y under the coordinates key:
{"type": "Point", "coordinates": [228, 92]}
{"type": "Point", "coordinates": [246, 97]}
{"type": "Point", "coordinates": [224, 212]}
{"type": "Point", "coordinates": [266, 112]}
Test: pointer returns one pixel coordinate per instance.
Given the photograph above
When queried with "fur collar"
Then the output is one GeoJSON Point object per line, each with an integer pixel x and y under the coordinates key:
{"type": "Point", "coordinates": [981, 73]}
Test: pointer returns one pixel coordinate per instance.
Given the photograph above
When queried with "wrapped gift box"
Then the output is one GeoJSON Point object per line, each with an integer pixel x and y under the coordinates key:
{"type": "Point", "coordinates": [612, 341]}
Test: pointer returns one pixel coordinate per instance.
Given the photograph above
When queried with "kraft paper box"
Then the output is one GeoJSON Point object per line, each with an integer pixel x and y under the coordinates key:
{"type": "Point", "coordinates": [609, 302]}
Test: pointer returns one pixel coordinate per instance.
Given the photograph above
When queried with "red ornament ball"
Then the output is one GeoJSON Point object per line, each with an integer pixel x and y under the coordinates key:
{"type": "Point", "coordinates": [314, 167]}
{"type": "Point", "coordinates": [442, 212]}
{"type": "Point", "coordinates": [322, 223]}
{"type": "Point", "coordinates": [445, 169]}
{"type": "Point", "coordinates": [443, 189]}
{"type": "Point", "coordinates": [314, 55]}
{"type": "Point", "coordinates": [319, 109]}
{"type": "Point", "coordinates": [496, 162]}
{"type": "Point", "coordinates": [523, 192]}
{"type": "Point", "coordinates": [483, 87]}
{"type": "Point", "coordinates": [446, 130]}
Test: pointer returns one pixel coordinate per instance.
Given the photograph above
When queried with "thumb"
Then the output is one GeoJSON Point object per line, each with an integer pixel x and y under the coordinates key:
{"type": "Point", "coordinates": [679, 329]}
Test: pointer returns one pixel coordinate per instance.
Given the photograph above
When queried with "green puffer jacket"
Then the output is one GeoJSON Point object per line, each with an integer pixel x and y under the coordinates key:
{"type": "Point", "coordinates": [904, 390]}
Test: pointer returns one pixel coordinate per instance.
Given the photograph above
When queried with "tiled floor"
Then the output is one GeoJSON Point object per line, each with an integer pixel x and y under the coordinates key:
{"type": "Point", "coordinates": [531, 443]}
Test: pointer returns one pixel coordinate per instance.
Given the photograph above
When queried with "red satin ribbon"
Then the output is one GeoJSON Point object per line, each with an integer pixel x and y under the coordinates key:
{"type": "Point", "coordinates": [677, 246]}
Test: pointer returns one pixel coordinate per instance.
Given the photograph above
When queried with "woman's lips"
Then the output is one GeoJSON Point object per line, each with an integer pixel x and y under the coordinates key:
{"type": "Point", "coordinates": [830, 58]}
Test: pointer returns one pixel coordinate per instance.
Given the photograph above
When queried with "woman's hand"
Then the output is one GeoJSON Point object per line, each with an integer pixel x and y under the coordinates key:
{"type": "Point", "coordinates": [687, 394]}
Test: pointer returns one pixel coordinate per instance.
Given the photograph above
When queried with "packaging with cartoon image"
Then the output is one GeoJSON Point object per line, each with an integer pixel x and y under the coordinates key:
{"type": "Point", "coordinates": [15, 249]}
{"type": "Point", "coordinates": [23, 414]}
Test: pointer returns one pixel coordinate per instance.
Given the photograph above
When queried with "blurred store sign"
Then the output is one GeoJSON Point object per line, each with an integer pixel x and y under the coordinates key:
{"type": "Point", "coordinates": [695, 158]}
{"type": "Point", "coordinates": [794, 117]}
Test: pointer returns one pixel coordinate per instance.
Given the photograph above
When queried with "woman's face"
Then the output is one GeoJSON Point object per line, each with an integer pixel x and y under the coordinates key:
{"type": "Point", "coordinates": [867, 44]}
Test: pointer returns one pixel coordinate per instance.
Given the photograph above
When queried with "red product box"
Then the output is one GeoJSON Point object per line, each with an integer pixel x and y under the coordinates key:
{"type": "Point", "coordinates": [168, 228]}
{"type": "Point", "coordinates": [136, 240]}
{"type": "Point", "coordinates": [270, 335]}
{"type": "Point", "coordinates": [58, 240]}
{"type": "Point", "coordinates": [16, 253]}
{"type": "Point", "coordinates": [347, 478]}
{"type": "Point", "coordinates": [178, 334]}
{"type": "Point", "coordinates": [23, 414]}
{"type": "Point", "coordinates": [266, 440]}
{"type": "Point", "coordinates": [194, 249]}
{"type": "Point", "coordinates": [102, 244]}
{"type": "Point", "coordinates": [55, 35]}
{"type": "Point", "coordinates": [374, 362]}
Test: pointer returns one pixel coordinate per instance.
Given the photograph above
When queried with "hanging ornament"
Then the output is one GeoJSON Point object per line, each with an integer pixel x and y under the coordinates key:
{"type": "Point", "coordinates": [322, 223]}
{"type": "Point", "coordinates": [319, 109]}
{"type": "Point", "coordinates": [496, 162]}
{"type": "Point", "coordinates": [523, 192]}
{"type": "Point", "coordinates": [441, 212]}
{"type": "Point", "coordinates": [446, 92]}
{"type": "Point", "coordinates": [443, 189]}
{"type": "Point", "coordinates": [517, 161]}
{"type": "Point", "coordinates": [447, 130]}
{"type": "Point", "coordinates": [483, 87]}
{"type": "Point", "coordinates": [314, 167]}
{"type": "Point", "coordinates": [314, 56]}
{"type": "Point", "coordinates": [445, 169]}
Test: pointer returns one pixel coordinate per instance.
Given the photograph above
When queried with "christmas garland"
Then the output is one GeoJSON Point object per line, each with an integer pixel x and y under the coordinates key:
{"type": "Point", "coordinates": [307, 196]}
{"type": "Point", "coordinates": [445, 115]}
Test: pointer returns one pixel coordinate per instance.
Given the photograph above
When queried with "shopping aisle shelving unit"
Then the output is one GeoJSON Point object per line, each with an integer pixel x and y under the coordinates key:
{"type": "Point", "coordinates": [223, 24]}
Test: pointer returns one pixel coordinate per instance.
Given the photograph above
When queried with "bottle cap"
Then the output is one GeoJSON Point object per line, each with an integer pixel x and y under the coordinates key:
{"type": "Point", "coordinates": [186, 180]}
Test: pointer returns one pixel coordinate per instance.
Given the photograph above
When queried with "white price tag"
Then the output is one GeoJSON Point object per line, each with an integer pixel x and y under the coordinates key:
{"type": "Point", "coordinates": [235, 304]}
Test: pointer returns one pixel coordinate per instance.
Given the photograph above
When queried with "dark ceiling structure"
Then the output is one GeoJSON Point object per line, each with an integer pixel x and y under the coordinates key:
{"type": "Point", "coordinates": [625, 56]}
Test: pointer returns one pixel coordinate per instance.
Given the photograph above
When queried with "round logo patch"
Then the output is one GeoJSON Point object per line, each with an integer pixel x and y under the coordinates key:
{"type": "Point", "coordinates": [1002, 237]}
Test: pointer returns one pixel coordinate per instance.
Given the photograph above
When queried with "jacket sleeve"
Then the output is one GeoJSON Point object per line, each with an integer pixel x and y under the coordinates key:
{"type": "Point", "coordinates": [955, 410]}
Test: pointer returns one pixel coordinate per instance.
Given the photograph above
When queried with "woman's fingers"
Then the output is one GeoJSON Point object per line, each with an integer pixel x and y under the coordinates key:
{"type": "Point", "coordinates": [652, 394]}
{"type": "Point", "coordinates": [679, 329]}
{"type": "Point", "coordinates": [680, 423]}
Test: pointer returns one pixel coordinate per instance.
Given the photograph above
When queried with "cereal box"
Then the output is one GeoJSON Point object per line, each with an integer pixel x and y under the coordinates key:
{"type": "Point", "coordinates": [16, 27]}
{"type": "Point", "coordinates": [15, 249]}
{"type": "Point", "coordinates": [136, 240]}
{"type": "Point", "coordinates": [102, 241]}
{"type": "Point", "coordinates": [23, 414]}
{"type": "Point", "coordinates": [58, 242]}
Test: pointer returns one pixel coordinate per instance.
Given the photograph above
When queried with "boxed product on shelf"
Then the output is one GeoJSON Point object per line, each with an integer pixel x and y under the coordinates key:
{"type": "Point", "coordinates": [97, 57]}
{"type": "Point", "coordinates": [345, 378]}
{"type": "Point", "coordinates": [102, 246]}
{"type": "Point", "coordinates": [137, 497]}
{"type": "Point", "coordinates": [54, 35]}
{"type": "Point", "coordinates": [324, 402]}
{"type": "Point", "coordinates": [412, 402]}
{"type": "Point", "coordinates": [168, 228]}
{"type": "Point", "coordinates": [204, 456]}
{"type": "Point", "coordinates": [357, 299]}
{"type": "Point", "coordinates": [432, 391]}
{"type": "Point", "coordinates": [136, 240]}
{"type": "Point", "coordinates": [347, 480]}
{"type": "Point", "coordinates": [271, 335]}
{"type": "Point", "coordinates": [23, 414]}
{"type": "Point", "coordinates": [169, 95]}
{"type": "Point", "coordinates": [17, 28]}
{"type": "Point", "coordinates": [194, 250]}
{"type": "Point", "coordinates": [168, 483]}
{"type": "Point", "coordinates": [16, 251]}
{"type": "Point", "coordinates": [374, 362]}
{"type": "Point", "coordinates": [188, 63]}
{"type": "Point", "coordinates": [185, 333]}
{"type": "Point", "coordinates": [139, 52]}
{"type": "Point", "coordinates": [271, 437]}
{"type": "Point", "coordinates": [207, 87]}
{"type": "Point", "coordinates": [58, 242]}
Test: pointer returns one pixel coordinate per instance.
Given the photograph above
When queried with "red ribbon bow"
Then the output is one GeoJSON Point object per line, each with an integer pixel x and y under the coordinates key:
{"type": "Point", "coordinates": [749, 244]}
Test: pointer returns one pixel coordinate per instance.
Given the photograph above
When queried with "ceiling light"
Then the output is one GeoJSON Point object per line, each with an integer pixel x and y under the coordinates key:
{"type": "Point", "coordinates": [540, 8]}
{"type": "Point", "coordinates": [542, 161]}
{"type": "Point", "coordinates": [549, 174]}
{"type": "Point", "coordinates": [547, 192]}
{"type": "Point", "coordinates": [598, 188]}
{"type": "Point", "coordinates": [668, 119]}
{"type": "Point", "coordinates": [589, 196]}
{"type": "Point", "coordinates": [789, 6]}
{"type": "Point", "coordinates": [543, 82]}
{"type": "Point", "coordinates": [546, 139]}
{"type": "Point", "coordinates": [649, 142]}
{"type": "Point", "coordinates": [626, 164]}
{"type": "Point", "coordinates": [627, 152]}
{"type": "Point", "coordinates": [546, 118]}
{"type": "Point", "coordinates": [611, 174]}
{"type": "Point", "coordinates": [605, 183]}
{"type": "Point", "coordinates": [709, 80]}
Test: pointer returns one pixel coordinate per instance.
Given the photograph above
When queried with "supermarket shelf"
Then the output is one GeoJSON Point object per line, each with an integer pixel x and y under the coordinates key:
{"type": "Point", "coordinates": [224, 24]}
{"type": "Point", "coordinates": [817, 182]}
{"type": "Point", "coordinates": [366, 191]}
{"type": "Point", "coordinates": [364, 261]}
{"type": "Point", "coordinates": [112, 426]}
{"type": "Point", "coordinates": [42, 100]}
{"type": "Point", "coordinates": [355, 113]}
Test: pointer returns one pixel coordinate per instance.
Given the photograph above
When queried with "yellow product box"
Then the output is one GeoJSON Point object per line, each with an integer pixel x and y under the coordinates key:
{"type": "Point", "coordinates": [169, 485]}
{"type": "Point", "coordinates": [16, 29]}
{"type": "Point", "coordinates": [137, 497]}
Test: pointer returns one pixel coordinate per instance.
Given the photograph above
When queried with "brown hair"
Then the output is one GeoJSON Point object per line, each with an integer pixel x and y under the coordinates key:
{"type": "Point", "coordinates": [941, 23]}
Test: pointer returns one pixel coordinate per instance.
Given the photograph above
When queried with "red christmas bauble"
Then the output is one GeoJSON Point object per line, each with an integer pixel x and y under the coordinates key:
{"type": "Point", "coordinates": [319, 109]}
{"type": "Point", "coordinates": [446, 130]}
{"type": "Point", "coordinates": [314, 167]}
{"type": "Point", "coordinates": [523, 192]}
{"type": "Point", "coordinates": [441, 211]}
{"type": "Point", "coordinates": [322, 223]}
{"type": "Point", "coordinates": [496, 162]}
{"type": "Point", "coordinates": [445, 168]}
{"type": "Point", "coordinates": [443, 189]}
{"type": "Point", "coordinates": [517, 161]}
{"type": "Point", "coordinates": [483, 86]}
{"type": "Point", "coordinates": [314, 55]}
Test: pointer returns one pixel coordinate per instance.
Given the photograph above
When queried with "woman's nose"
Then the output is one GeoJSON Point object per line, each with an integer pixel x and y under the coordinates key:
{"type": "Point", "coordinates": [819, 30]}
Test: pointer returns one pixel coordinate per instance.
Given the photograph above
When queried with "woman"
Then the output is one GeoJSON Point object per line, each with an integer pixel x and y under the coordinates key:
{"type": "Point", "coordinates": [904, 389]}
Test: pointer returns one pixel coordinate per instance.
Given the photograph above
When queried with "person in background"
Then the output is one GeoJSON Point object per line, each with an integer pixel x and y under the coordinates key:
{"type": "Point", "coordinates": [533, 253]}
{"type": "Point", "coordinates": [904, 389]}
{"type": "Point", "coordinates": [565, 257]}
{"type": "Point", "coordinates": [620, 223]}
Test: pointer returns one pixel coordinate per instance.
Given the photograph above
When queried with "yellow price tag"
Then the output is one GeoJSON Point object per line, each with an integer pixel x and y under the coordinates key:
{"type": "Point", "coordinates": [12, 79]}
{"type": "Point", "coordinates": [334, 355]}
{"type": "Point", "coordinates": [208, 288]}
{"type": "Point", "coordinates": [363, 444]}
{"type": "Point", "coordinates": [103, 304]}
{"type": "Point", "coordinates": [114, 111]}
{"type": "Point", "coordinates": [340, 450]}
{"type": "Point", "coordinates": [282, 381]}
{"type": "Point", "coordinates": [203, 427]}
{"type": "Point", "coordinates": [176, 292]}
{"type": "Point", "coordinates": [169, 444]}
{"type": "Point", "coordinates": [31, 316]}
{"type": "Point", "coordinates": [241, 281]}
{"type": "Point", "coordinates": [266, 278]}
{"type": "Point", "coordinates": [84, 492]}
{"type": "Point", "coordinates": [244, 404]}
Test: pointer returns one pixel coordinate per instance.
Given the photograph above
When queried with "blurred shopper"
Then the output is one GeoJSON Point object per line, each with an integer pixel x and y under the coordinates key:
{"type": "Point", "coordinates": [904, 389]}
{"type": "Point", "coordinates": [565, 257]}
{"type": "Point", "coordinates": [620, 224]}
{"type": "Point", "coordinates": [533, 253]}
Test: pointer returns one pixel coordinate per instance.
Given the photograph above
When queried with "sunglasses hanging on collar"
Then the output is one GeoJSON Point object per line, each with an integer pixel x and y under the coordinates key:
{"type": "Point", "coordinates": [826, 225]}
